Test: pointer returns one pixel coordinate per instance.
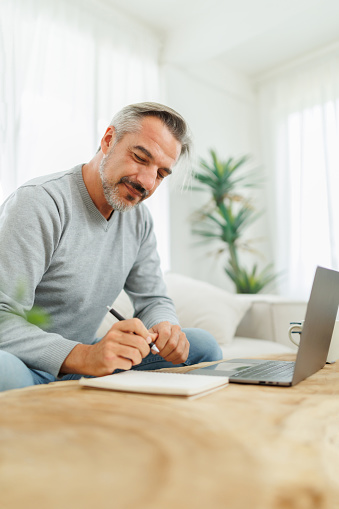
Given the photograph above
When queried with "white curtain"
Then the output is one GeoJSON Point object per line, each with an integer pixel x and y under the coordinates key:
{"type": "Point", "coordinates": [300, 132]}
{"type": "Point", "coordinates": [65, 68]}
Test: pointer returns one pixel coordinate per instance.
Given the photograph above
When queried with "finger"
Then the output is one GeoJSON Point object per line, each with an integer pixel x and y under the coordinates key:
{"type": "Point", "coordinates": [153, 335]}
{"type": "Point", "coordinates": [107, 364]}
{"type": "Point", "coordinates": [129, 339]}
{"type": "Point", "coordinates": [165, 332]}
{"type": "Point", "coordinates": [180, 353]}
{"type": "Point", "coordinates": [133, 325]}
{"type": "Point", "coordinates": [182, 357]}
{"type": "Point", "coordinates": [136, 342]}
{"type": "Point", "coordinates": [130, 353]}
{"type": "Point", "coordinates": [122, 363]}
{"type": "Point", "coordinates": [171, 342]}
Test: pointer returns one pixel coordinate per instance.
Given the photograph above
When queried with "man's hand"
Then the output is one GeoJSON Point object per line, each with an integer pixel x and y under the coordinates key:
{"type": "Point", "coordinates": [172, 342]}
{"type": "Point", "coordinates": [124, 346]}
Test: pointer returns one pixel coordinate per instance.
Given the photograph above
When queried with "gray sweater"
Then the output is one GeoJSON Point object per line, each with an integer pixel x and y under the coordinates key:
{"type": "Point", "coordinates": [71, 261]}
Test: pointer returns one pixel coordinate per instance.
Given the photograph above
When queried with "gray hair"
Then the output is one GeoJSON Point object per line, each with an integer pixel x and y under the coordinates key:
{"type": "Point", "coordinates": [128, 120]}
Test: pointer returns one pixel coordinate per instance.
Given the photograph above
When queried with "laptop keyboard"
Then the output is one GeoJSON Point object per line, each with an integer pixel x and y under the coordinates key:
{"type": "Point", "coordinates": [272, 370]}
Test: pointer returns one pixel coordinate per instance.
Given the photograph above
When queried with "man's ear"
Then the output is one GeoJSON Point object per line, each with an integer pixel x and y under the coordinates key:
{"type": "Point", "coordinates": [108, 139]}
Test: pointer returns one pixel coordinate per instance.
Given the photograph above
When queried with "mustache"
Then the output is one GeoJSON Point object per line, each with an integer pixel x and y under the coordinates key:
{"type": "Point", "coordinates": [141, 190]}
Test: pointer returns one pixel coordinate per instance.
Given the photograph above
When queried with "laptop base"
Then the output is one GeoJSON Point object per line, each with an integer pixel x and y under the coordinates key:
{"type": "Point", "coordinates": [251, 371]}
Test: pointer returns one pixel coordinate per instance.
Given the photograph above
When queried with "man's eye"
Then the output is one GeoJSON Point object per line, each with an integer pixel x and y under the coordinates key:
{"type": "Point", "coordinates": [161, 176]}
{"type": "Point", "coordinates": [139, 158]}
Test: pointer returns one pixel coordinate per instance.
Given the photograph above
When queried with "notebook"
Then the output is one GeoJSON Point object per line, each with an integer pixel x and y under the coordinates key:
{"type": "Point", "coordinates": [152, 382]}
{"type": "Point", "coordinates": [315, 342]}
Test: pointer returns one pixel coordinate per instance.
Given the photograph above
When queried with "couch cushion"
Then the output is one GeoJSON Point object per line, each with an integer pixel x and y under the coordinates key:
{"type": "Point", "coordinates": [202, 305]}
{"type": "Point", "coordinates": [269, 317]}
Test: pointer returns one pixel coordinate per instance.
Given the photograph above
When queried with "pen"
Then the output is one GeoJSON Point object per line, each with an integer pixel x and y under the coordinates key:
{"type": "Point", "coordinates": [117, 315]}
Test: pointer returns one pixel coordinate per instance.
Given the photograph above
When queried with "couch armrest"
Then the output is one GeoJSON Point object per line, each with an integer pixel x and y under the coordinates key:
{"type": "Point", "coordinates": [269, 317]}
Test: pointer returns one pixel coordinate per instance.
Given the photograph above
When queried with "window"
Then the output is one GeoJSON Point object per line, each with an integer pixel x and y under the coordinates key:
{"type": "Point", "coordinates": [300, 113]}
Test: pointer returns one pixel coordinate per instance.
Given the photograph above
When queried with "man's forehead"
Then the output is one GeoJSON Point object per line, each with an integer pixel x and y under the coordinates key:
{"type": "Point", "coordinates": [155, 126]}
{"type": "Point", "coordinates": [153, 136]}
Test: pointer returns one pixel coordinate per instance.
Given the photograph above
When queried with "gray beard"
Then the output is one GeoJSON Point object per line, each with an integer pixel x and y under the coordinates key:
{"type": "Point", "coordinates": [111, 191]}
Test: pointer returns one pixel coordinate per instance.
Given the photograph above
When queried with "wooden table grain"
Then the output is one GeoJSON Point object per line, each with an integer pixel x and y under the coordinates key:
{"type": "Point", "coordinates": [243, 447]}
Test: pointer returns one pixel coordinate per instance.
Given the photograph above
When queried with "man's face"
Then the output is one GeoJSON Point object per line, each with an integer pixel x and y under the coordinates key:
{"type": "Point", "coordinates": [135, 166]}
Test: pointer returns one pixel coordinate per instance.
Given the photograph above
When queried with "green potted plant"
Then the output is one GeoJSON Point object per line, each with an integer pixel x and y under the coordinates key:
{"type": "Point", "coordinates": [226, 216]}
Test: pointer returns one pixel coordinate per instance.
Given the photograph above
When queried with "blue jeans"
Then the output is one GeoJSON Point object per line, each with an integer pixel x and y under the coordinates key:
{"type": "Point", "coordinates": [14, 374]}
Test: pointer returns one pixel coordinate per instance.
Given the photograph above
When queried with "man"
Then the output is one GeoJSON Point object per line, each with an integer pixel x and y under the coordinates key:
{"type": "Point", "coordinates": [75, 239]}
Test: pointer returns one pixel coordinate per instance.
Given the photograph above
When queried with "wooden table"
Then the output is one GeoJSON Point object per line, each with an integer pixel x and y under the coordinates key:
{"type": "Point", "coordinates": [244, 447]}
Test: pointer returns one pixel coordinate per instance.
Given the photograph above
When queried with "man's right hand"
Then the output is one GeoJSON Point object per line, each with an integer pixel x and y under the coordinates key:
{"type": "Point", "coordinates": [124, 346]}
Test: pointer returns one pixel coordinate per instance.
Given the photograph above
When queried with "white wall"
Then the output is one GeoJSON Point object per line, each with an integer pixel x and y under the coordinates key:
{"type": "Point", "coordinates": [220, 107]}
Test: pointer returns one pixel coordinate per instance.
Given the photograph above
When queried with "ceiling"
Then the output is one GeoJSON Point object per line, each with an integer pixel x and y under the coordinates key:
{"type": "Point", "coordinates": [252, 36]}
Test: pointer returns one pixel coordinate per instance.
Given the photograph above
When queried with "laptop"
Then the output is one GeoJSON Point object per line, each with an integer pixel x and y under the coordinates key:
{"type": "Point", "coordinates": [315, 342]}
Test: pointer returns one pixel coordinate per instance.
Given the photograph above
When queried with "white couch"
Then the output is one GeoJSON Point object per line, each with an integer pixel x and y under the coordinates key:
{"type": "Point", "coordinates": [244, 325]}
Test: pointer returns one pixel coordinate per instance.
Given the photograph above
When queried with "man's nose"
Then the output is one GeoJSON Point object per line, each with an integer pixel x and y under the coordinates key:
{"type": "Point", "coordinates": [147, 177]}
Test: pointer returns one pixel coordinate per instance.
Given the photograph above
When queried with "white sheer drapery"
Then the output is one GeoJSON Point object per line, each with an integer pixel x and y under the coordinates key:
{"type": "Point", "coordinates": [300, 129]}
{"type": "Point", "coordinates": [65, 69]}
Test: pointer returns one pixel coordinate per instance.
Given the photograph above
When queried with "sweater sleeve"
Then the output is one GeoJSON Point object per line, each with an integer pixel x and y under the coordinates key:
{"type": "Point", "coordinates": [30, 229]}
{"type": "Point", "coordinates": [145, 285]}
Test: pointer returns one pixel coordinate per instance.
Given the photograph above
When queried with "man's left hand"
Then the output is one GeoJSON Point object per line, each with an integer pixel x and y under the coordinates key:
{"type": "Point", "coordinates": [171, 342]}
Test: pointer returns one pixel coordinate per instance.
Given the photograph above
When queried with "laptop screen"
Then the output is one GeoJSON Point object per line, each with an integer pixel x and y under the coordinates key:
{"type": "Point", "coordinates": [319, 323]}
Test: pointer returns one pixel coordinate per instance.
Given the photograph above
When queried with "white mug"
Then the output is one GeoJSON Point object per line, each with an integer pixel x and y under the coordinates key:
{"type": "Point", "coordinates": [333, 353]}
